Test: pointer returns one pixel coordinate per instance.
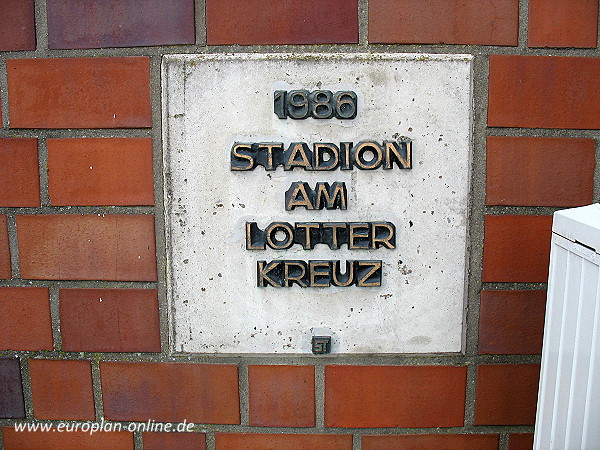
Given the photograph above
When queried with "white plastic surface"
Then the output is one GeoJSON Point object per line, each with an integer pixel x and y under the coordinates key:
{"type": "Point", "coordinates": [568, 411]}
{"type": "Point", "coordinates": [579, 225]}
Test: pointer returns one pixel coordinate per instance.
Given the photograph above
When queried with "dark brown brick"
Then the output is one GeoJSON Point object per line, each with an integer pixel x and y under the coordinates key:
{"type": "Point", "coordinates": [167, 392]}
{"type": "Point", "coordinates": [62, 390]}
{"type": "Point", "coordinates": [444, 22]}
{"type": "Point", "coordinates": [516, 248]}
{"type": "Point", "coordinates": [520, 441]}
{"type": "Point", "coordinates": [533, 171]}
{"type": "Point", "coordinates": [423, 396]}
{"type": "Point", "coordinates": [25, 319]}
{"type": "Point", "coordinates": [282, 396]}
{"type": "Point", "coordinates": [251, 22]}
{"type": "Point", "coordinates": [79, 92]}
{"type": "Point", "coordinates": [432, 442]}
{"type": "Point", "coordinates": [512, 322]}
{"type": "Point", "coordinates": [254, 441]}
{"type": "Point", "coordinates": [560, 23]}
{"type": "Point", "coordinates": [174, 441]}
{"type": "Point", "coordinates": [5, 265]}
{"type": "Point", "coordinates": [12, 405]}
{"type": "Point", "coordinates": [17, 25]}
{"type": "Point", "coordinates": [72, 440]}
{"type": "Point", "coordinates": [506, 394]}
{"type": "Point", "coordinates": [19, 172]}
{"type": "Point", "coordinates": [100, 171]}
{"type": "Point", "coordinates": [119, 23]}
{"type": "Point", "coordinates": [87, 247]}
{"type": "Point", "coordinates": [544, 92]}
{"type": "Point", "coordinates": [109, 320]}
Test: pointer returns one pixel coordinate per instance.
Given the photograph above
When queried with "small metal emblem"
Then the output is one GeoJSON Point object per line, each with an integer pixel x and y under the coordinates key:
{"type": "Point", "coordinates": [321, 345]}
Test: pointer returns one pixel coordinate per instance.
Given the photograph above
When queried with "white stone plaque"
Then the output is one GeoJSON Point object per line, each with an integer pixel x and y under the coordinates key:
{"type": "Point", "coordinates": [212, 102]}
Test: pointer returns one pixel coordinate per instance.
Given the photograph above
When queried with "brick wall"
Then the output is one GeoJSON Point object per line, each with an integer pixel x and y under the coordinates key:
{"type": "Point", "coordinates": [83, 315]}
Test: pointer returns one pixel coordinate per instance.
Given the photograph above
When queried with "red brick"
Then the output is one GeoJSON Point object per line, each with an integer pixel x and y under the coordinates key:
{"type": "Point", "coordinates": [444, 22]}
{"type": "Point", "coordinates": [394, 396]}
{"type": "Point", "coordinates": [247, 441]}
{"type": "Point", "coordinates": [12, 405]}
{"type": "Point", "coordinates": [19, 172]}
{"type": "Point", "coordinates": [506, 394]}
{"type": "Point", "coordinates": [17, 25]}
{"type": "Point", "coordinates": [432, 442]}
{"type": "Point", "coordinates": [25, 319]}
{"type": "Point", "coordinates": [282, 396]}
{"type": "Point", "coordinates": [512, 322]}
{"type": "Point", "coordinates": [167, 392]}
{"type": "Point", "coordinates": [109, 320]}
{"type": "Point", "coordinates": [520, 441]}
{"type": "Point", "coordinates": [516, 248]}
{"type": "Point", "coordinates": [73, 440]}
{"type": "Point", "coordinates": [533, 171]}
{"type": "Point", "coordinates": [87, 247]}
{"type": "Point", "coordinates": [5, 265]}
{"type": "Point", "coordinates": [120, 23]}
{"type": "Point", "coordinates": [174, 441]}
{"type": "Point", "coordinates": [560, 23]}
{"type": "Point", "coordinates": [281, 22]}
{"type": "Point", "coordinates": [100, 171]}
{"type": "Point", "coordinates": [62, 390]}
{"type": "Point", "coordinates": [544, 92]}
{"type": "Point", "coordinates": [79, 92]}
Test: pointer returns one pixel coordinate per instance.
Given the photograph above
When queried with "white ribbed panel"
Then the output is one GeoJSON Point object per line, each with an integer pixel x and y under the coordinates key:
{"type": "Point", "coordinates": [568, 411]}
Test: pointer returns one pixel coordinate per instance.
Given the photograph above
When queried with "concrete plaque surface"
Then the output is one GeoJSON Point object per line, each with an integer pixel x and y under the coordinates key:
{"type": "Point", "coordinates": [211, 102]}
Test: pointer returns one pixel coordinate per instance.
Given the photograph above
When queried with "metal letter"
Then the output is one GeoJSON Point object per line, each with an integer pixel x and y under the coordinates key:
{"type": "Point", "coordinates": [294, 272]}
{"type": "Point", "coordinates": [399, 153]}
{"type": "Point", "coordinates": [255, 237]}
{"type": "Point", "coordinates": [298, 150]}
{"type": "Point", "coordinates": [314, 273]}
{"type": "Point", "coordinates": [332, 197]}
{"type": "Point", "coordinates": [242, 157]}
{"type": "Point", "coordinates": [321, 150]}
{"type": "Point", "coordinates": [331, 236]}
{"type": "Point", "coordinates": [363, 147]}
{"type": "Point", "coordinates": [348, 279]}
{"type": "Point", "coordinates": [263, 274]}
{"type": "Point", "coordinates": [369, 273]}
{"type": "Point", "coordinates": [383, 233]}
{"type": "Point", "coordinates": [299, 194]}
{"type": "Point", "coordinates": [273, 242]}
{"type": "Point", "coordinates": [304, 234]}
{"type": "Point", "coordinates": [359, 232]}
